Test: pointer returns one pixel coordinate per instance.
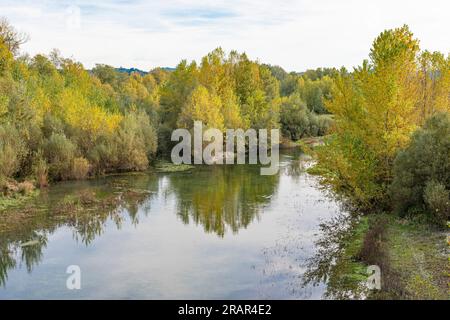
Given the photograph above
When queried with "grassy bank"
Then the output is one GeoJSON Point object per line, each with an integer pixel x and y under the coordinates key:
{"type": "Point", "coordinates": [417, 261]}
{"type": "Point", "coordinates": [412, 255]}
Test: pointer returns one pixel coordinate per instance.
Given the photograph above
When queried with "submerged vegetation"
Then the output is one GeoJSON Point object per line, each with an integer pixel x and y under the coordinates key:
{"type": "Point", "coordinates": [167, 167]}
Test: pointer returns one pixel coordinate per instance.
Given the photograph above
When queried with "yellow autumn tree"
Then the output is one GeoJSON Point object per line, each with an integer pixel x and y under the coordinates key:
{"type": "Point", "coordinates": [76, 110]}
{"type": "Point", "coordinates": [202, 106]}
{"type": "Point", "coordinates": [434, 77]}
{"type": "Point", "coordinates": [376, 108]}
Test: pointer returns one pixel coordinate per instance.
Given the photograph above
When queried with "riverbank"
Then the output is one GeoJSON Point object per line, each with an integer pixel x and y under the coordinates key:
{"type": "Point", "coordinates": [412, 253]}
{"type": "Point", "coordinates": [412, 256]}
{"type": "Point", "coordinates": [308, 142]}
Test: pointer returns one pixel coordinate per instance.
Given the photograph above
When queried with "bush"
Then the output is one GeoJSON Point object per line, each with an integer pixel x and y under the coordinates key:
{"type": "Point", "coordinates": [40, 170]}
{"type": "Point", "coordinates": [324, 123]}
{"type": "Point", "coordinates": [422, 170]}
{"type": "Point", "coordinates": [165, 144]}
{"type": "Point", "coordinates": [8, 186]}
{"type": "Point", "coordinates": [80, 168]}
{"type": "Point", "coordinates": [298, 121]}
{"type": "Point", "coordinates": [103, 156]}
{"type": "Point", "coordinates": [59, 152]}
{"type": "Point", "coordinates": [313, 129]}
{"type": "Point", "coordinates": [294, 118]}
{"type": "Point", "coordinates": [25, 187]}
{"type": "Point", "coordinates": [135, 142]}
{"type": "Point", "coordinates": [33, 139]}
{"type": "Point", "coordinates": [437, 200]}
{"type": "Point", "coordinates": [12, 150]}
{"type": "Point", "coordinates": [52, 124]}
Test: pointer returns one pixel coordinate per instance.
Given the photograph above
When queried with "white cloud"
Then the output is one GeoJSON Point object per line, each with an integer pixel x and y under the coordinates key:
{"type": "Point", "coordinates": [294, 34]}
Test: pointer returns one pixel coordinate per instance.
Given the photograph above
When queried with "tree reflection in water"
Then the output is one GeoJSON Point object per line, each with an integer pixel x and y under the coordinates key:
{"type": "Point", "coordinates": [223, 197]}
{"type": "Point", "coordinates": [333, 264]}
{"type": "Point", "coordinates": [219, 198]}
{"type": "Point", "coordinates": [85, 207]}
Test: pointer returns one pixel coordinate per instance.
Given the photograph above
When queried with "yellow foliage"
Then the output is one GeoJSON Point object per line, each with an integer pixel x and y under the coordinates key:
{"type": "Point", "coordinates": [76, 110]}
{"type": "Point", "coordinates": [202, 106]}
{"type": "Point", "coordinates": [376, 109]}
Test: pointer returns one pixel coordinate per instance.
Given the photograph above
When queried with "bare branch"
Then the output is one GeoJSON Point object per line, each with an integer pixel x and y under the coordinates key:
{"type": "Point", "coordinates": [11, 37]}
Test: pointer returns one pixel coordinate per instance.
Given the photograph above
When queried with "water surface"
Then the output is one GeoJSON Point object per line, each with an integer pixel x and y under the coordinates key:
{"type": "Point", "coordinates": [214, 232]}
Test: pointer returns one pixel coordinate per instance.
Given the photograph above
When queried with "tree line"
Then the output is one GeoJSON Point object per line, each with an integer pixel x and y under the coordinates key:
{"type": "Point", "coordinates": [59, 121]}
{"type": "Point", "coordinates": [386, 121]}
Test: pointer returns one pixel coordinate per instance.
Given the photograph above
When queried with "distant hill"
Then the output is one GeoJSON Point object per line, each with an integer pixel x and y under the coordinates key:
{"type": "Point", "coordinates": [131, 70]}
{"type": "Point", "coordinates": [168, 68]}
{"type": "Point", "coordinates": [141, 72]}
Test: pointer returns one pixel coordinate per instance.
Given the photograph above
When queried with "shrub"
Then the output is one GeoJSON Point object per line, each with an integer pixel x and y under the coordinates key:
{"type": "Point", "coordinates": [80, 168]}
{"type": "Point", "coordinates": [40, 170]}
{"type": "Point", "coordinates": [324, 123]}
{"type": "Point", "coordinates": [33, 138]}
{"type": "Point", "coordinates": [12, 150]}
{"type": "Point", "coordinates": [165, 144]}
{"type": "Point", "coordinates": [437, 200]}
{"type": "Point", "coordinates": [298, 121]}
{"type": "Point", "coordinates": [149, 134]}
{"type": "Point", "coordinates": [8, 186]}
{"type": "Point", "coordinates": [103, 156]}
{"type": "Point", "coordinates": [135, 142]}
{"type": "Point", "coordinates": [25, 187]}
{"type": "Point", "coordinates": [313, 129]}
{"type": "Point", "coordinates": [51, 125]}
{"type": "Point", "coordinates": [60, 152]}
{"type": "Point", "coordinates": [294, 118]}
{"type": "Point", "coordinates": [424, 164]}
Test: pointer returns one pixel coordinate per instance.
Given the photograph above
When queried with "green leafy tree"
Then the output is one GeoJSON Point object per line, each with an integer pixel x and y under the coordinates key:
{"type": "Point", "coordinates": [422, 170]}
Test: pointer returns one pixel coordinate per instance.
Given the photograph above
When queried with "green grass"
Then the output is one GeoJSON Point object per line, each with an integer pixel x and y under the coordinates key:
{"type": "Point", "coordinates": [412, 255]}
{"type": "Point", "coordinates": [7, 202]}
{"type": "Point", "coordinates": [418, 254]}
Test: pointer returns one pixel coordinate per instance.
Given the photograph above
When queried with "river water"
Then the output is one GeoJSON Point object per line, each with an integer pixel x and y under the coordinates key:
{"type": "Point", "coordinates": [213, 232]}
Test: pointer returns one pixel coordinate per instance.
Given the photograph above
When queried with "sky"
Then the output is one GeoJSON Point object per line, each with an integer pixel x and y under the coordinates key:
{"type": "Point", "coordinates": [294, 34]}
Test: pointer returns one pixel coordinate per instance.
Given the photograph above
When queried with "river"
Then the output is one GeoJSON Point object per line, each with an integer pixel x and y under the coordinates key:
{"type": "Point", "coordinates": [213, 232]}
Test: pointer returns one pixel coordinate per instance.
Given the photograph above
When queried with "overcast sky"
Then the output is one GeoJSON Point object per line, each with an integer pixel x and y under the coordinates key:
{"type": "Point", "coordinates": [295, 34]}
